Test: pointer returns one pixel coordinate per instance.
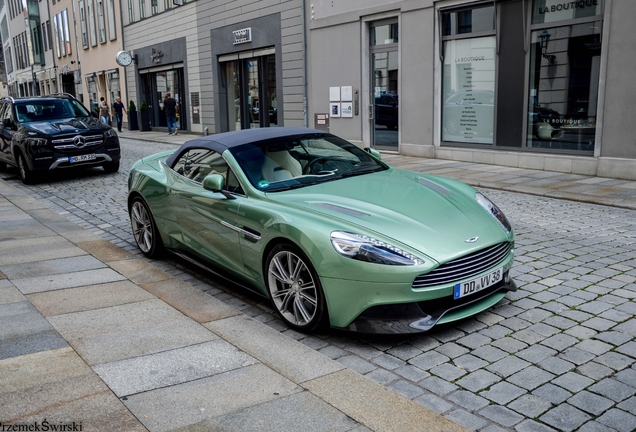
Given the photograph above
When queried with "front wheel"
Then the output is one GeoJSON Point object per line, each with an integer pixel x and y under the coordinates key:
{"type": "Point", "coordinates": [144, 229]}
{"type": "Point", "coordinates": [111, 167]}
{"type": "Point", "coordinates": [27, 176]}
{"type": "Point", "coordinates": [295, 289]}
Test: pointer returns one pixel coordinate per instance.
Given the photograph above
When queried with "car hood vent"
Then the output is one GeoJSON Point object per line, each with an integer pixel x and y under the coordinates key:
{"type": "Point", "coordinates": [433, 186]}
{"type": "Point", "coordinates": [339, 209]}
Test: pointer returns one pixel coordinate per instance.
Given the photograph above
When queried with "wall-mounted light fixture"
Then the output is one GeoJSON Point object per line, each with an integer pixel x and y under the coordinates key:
{"type": "Point", "coordinates": [544, 40]}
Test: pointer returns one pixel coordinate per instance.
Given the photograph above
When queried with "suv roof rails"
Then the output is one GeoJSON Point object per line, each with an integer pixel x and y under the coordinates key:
{"type": "Point", "coordinates": [61, 94]}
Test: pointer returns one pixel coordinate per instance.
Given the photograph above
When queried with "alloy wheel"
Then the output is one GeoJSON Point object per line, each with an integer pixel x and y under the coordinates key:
{"type": "Point", "coordinates": [294, 291]}
{"type": "Point", "coordinates": [142, 226]}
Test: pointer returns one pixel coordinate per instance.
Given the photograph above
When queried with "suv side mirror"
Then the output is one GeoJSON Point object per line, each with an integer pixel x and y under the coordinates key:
{"type": "Point", "coordinates": [7, 122]}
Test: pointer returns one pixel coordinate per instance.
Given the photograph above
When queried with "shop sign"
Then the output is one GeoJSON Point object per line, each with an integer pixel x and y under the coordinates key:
{"type": "Point", "coordinates": [559, 10]}
{"type": "Point", "coordinates": [156, 55]}
{"type": "Point", "coordinates": [242, 36]}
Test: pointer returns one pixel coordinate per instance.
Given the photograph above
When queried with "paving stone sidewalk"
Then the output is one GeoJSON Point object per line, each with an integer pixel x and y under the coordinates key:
{"type": "Point", "coordinates": [94, 335]}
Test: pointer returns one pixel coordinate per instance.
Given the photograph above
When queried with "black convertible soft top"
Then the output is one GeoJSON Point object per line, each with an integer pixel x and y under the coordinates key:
{"type": "Point", "coordinates": [223, 141]}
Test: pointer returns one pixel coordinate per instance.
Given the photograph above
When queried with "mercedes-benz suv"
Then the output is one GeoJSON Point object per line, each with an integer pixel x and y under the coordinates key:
{"type": "Point", "coordinates": [43, 133]}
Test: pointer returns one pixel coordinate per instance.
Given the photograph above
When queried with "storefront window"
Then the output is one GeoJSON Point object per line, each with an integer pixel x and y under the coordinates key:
{"type": "Point", "coordinates": [565, 64]}
{"type": "Point", "coordinates": [469, 76]}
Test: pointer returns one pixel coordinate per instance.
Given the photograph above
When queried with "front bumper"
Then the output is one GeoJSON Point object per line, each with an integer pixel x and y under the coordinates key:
{"type": "Point", "coordinates": [53, 157]}
{"type": "Point", "coordinates": [421, 316]}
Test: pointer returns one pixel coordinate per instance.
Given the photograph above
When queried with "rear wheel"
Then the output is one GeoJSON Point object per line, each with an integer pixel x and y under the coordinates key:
{"type": "Point", "coordinates": [27, 176]}
{"type": "Point", "coordinates": [295, 289]}
{"type": "Point", "coordinates": [144, 229]}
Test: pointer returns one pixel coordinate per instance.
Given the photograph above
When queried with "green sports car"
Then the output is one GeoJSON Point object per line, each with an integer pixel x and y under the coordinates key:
{"type": "Point", "coordinates": [331, 234]}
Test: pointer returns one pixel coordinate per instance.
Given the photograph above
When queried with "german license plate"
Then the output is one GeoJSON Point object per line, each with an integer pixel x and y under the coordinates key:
{"type": "Point", "coordinates": [82, 158]}
{"type": "Point", "coordinates": [473, 286]}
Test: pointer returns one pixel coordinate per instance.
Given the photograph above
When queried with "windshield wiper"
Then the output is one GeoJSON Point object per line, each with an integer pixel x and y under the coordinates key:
{"type": "Point", "coordinates": [362, 171]}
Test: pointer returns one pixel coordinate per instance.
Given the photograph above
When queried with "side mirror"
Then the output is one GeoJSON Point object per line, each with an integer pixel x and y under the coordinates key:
{"type": "Point", "coordinates": [7, 122]}
{"type": "Point", "coordinates": [373, 152]}
{"type": "Point", "coordinates": [216, 183]}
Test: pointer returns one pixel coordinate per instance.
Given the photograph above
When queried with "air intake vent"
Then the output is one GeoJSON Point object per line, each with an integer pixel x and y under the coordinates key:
{"type": "Point", "coordinates": [465, 267]}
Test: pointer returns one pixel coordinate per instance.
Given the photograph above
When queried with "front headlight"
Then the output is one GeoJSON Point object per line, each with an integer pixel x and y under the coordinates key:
{"type": "Point", "coordinates": [363, 248]}
{"type": "Point", "coordinates": [494, 211]}
{"type": "Point", "coordinates": [110, 133]}
{"type": "Point", "coordinates": [35, 143]}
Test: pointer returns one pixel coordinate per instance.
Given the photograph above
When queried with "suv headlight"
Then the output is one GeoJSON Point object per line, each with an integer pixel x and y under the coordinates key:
{"type": "Point", "coordinates": [494, 211]}
{"type": "Point", "coordinates": [110, 133]}
{"type": "Point", "coordinates": [36, 143]}
{"type": "Point", "coordinates": [363, 248]}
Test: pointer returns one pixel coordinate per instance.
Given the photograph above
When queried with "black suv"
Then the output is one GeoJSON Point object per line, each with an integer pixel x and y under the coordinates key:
{"type": "Point", "coordinates": [44, 133]}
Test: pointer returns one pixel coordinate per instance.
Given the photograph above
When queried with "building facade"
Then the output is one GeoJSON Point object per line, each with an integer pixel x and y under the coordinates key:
{"type": "Point", "coordinates": [100, 37]}
{"type": "Point", "coordinates": [27, 47]}
{"type": "Point", "coordinates": [230, 65]}
{"type": "Point", "coordinates": [542, 84]}
{"type": "Point", "coordinates": [63, 47]}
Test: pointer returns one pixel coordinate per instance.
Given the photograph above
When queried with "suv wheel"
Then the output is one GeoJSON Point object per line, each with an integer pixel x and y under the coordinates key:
{"type": "Point", "coordinates": [27, 176]}
{"type": "Point", "coordinates": [111, 167]}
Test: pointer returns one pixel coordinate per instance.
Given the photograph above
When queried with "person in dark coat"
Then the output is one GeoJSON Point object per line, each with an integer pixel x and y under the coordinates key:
{"type": "Point", "coordinates": [171, 108]}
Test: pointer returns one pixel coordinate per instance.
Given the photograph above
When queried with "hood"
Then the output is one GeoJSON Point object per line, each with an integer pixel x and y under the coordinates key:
{"type": "Point", "coordinates": [432, 215]}
{"type": "Point", "coordinates": [66, 126]}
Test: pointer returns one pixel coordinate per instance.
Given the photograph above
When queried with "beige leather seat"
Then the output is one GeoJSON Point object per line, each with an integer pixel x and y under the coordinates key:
{"type": "Point", "coordinates": [280, 165]}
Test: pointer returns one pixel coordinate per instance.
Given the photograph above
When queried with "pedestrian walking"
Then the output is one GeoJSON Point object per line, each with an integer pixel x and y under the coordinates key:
{"type": "Point", "coordinates": [104, 112]}
{"type": "Point", "coordinates": [171, 108]}
{"type": "Point", "coordinates": [120, 109]}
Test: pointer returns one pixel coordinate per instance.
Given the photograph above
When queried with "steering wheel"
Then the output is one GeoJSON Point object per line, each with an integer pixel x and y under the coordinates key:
{"type": "Point", "coordinates": [309, 167]}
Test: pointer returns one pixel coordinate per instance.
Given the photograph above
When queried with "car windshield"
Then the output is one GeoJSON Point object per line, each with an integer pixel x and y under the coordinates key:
{"type": "Point", "coordinates": [49, 109]}
{"type": "Point", "coordinates": [295, 162]}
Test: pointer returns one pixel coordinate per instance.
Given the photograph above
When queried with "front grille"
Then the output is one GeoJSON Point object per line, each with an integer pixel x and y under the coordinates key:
{"type": "Point", "coordinates": [72, 143]}
{"type": "Point", "coordinates": [464, 267]}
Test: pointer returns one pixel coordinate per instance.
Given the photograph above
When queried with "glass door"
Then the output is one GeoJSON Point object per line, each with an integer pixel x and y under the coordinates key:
{"type": "Point", "coordinates": [384, 109]}
{"type": "Point", "coordinates": [251, 93]}
{"type": "Point", "coordinates": [385, 100]}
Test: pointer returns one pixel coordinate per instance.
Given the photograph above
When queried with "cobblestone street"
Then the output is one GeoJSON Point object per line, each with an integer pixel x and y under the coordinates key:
{"type": "Point", "coordinates": [558, 354]}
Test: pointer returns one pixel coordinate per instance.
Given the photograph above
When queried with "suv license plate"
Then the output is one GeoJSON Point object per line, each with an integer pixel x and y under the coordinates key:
{"type": "Point", "coordinates": [82, 158]}
{"type": "Point", "coordinates": [475, 285]}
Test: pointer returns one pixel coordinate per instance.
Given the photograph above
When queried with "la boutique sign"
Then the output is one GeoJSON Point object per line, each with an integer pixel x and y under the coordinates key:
{"type": "Point", "coordinates": [572, 5]}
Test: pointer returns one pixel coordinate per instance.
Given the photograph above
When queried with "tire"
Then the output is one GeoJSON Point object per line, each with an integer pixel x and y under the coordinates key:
{"type": "Point", "coordinates": [145, 229]}
{"type": "Point", "coordinates": [295, 289]}
{"type": "Point", "coordinates": [27, 176]}
{"type": "Point", "coordinates": [111, 167]}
